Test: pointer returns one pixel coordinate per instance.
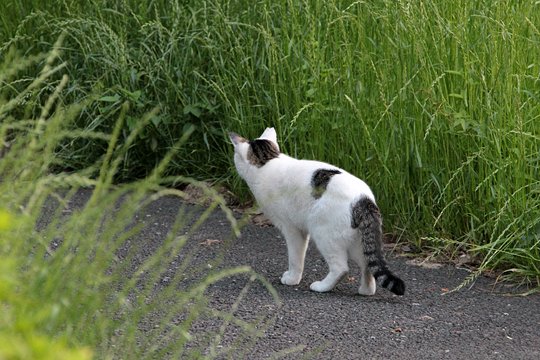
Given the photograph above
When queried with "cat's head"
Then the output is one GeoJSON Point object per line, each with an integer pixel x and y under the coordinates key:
{"type": "Point", "coordinates": [249, 154]}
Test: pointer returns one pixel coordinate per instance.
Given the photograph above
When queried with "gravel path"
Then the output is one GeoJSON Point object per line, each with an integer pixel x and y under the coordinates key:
{"type": "Point", "coordinates": [479, 322]}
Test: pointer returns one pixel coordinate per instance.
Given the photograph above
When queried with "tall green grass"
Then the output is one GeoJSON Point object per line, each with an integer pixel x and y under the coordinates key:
{"type": "Point", "coordinates": [75, 280]}
{"type": "Point", "coordinates": [434, 104]}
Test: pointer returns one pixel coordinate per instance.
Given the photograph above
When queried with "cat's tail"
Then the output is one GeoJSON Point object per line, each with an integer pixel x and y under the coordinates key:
{"type": "Point", "coordinates": [366, 217]}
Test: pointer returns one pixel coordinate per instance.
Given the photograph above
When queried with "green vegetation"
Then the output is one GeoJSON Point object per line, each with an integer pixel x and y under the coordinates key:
{"type": "Point", "coordinates": [435, 104]}
{"type": "Point", "coordinates": [75, 280]}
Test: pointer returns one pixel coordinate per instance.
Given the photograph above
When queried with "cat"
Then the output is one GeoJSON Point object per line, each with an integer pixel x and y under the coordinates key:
{"type": "Point", "coordinates": [311, 199]}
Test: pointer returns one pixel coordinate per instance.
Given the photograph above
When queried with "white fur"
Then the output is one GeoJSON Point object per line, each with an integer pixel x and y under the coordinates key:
{"type": "Point", "coordinates": [269, 134]}
{"type": "Point", "coordinates": [283, 189]}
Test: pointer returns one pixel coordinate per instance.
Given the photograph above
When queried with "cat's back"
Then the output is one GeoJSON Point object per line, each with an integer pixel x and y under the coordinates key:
{"type": "Point", "coordinates": [329, 182]}
{"type": "Point", "coordinates": [310, 178]}
{"type": "Point", "coordinates": [300, 191]}
{"type": "Point", "coordinates": [348, 186]}
{"type": "Point", "coordinates": [289, 170]}
{"type": "Point", "coordinates": [335, 191]}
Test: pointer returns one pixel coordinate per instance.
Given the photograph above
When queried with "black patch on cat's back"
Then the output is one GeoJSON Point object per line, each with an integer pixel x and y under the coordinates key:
{"type": "Point", "coordinates": [320, 181]}
{"type": "Point", "coordinates": [261, 151]}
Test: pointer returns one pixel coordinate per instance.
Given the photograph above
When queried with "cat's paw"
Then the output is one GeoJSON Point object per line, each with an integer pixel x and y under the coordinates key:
{"type": "Point", "coordinates": [319, 286]}
{"type": "Point", "coordinates": [367, 285]}
{"type": "Point", "coordinates": [289, 278]}
{"type": "Point", "coordinates": [366, 290]}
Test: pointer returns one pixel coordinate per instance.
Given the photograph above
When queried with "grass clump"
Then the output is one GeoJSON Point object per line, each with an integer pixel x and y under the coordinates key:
{"type": "Point", "coordinates": [434, 104]}
{"type": "Point", "coordinates": [76, 280]}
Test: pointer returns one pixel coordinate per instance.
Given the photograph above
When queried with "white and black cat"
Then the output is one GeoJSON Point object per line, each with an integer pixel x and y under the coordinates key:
{"type": "Point", "coordinates": [311, 199]}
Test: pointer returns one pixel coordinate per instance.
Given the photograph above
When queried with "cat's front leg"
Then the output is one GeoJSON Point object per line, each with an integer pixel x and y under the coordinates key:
{"type": "Point", "coordinates": [291, 278]}
{"type": "Point", "coordinates": [297, 243]}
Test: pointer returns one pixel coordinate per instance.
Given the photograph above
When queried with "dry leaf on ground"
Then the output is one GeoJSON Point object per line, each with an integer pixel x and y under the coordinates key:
{"type": "Point", "coordinates": [210, 242]}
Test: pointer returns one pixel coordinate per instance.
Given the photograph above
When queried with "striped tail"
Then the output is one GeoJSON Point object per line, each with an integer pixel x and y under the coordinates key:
{"type": "Point", "coordinates": [366, 217]}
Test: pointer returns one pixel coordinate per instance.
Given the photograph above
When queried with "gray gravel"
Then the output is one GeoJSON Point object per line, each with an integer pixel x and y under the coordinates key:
{"type": "Point", "coordinates": [479, 322]}
{"type": "Point", "coordinates": [476, 323]}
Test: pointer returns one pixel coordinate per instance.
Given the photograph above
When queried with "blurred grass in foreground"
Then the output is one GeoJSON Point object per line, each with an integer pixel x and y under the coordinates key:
{"type": "Point", "coordinates": [65, 290]}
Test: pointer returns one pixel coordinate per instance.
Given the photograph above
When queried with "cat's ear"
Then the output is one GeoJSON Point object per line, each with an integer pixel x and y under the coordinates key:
{"type": "Point", "coordinates": [269, 134]}
{"type": "Point", "coordinates": [236, 139]}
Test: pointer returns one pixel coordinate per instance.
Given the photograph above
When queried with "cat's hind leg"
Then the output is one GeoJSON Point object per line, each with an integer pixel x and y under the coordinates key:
{"type": "Point", "coordinates": [297, 243]}
{"type": "Point", "coordinates": [336, 258]}
{"type": "Point", "coordinates": [367, 281]}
